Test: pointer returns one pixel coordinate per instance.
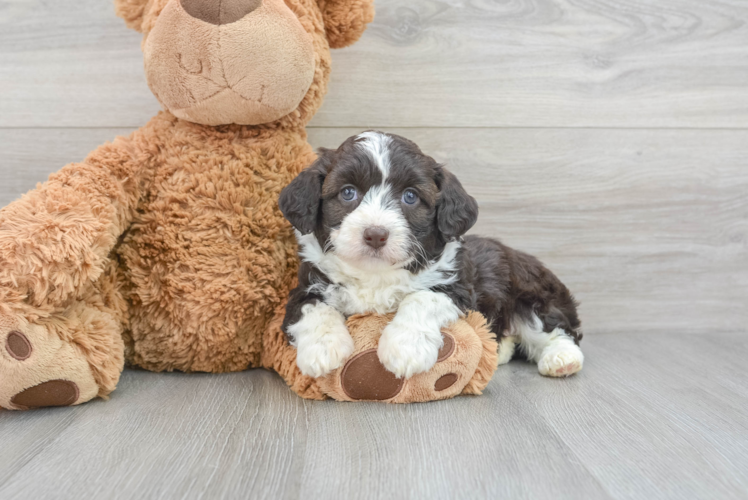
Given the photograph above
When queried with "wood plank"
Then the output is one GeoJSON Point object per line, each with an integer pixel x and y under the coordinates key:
{"type": "Point", "coordinates": [170, 436]}
{"type": "Point", "coordinates": [247, 435]}
{"type": "Point", "coordinates": [652, 412]}
{"type": "Point", "coordinates": [638, 422]}
{"type": "Point", "coordinates": [24, 438]}
{"type": "Point", "coordinates": [648, 228]}
{"type": "Point", "coordinates": [493, 446]}
{"type": "Point", "coordinates": [430, 63]}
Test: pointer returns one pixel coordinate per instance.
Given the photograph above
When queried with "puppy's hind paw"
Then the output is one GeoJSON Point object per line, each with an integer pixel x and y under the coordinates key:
{"type": "Point", "coordinates": [561, 362]}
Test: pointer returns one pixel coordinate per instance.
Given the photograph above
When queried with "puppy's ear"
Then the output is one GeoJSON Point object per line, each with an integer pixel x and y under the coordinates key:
{"type": "Point", "coordinates": [456, 211]}
{"type": "Point", "coordinates": [299, 201]}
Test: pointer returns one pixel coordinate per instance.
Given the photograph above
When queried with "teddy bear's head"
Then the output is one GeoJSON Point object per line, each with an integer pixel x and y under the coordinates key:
{"type": "Point", "coordinates": [246, 62]}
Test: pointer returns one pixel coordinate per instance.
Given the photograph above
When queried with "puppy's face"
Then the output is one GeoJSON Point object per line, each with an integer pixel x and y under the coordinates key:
{"type": "Point", "coordinates": [378, 202]}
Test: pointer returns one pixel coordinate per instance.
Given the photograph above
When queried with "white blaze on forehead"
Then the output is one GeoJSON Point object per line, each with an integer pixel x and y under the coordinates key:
{"type": "Point", "coordinates": [377, 200]}
{"type": "Point", "coordinates": [376, 145]}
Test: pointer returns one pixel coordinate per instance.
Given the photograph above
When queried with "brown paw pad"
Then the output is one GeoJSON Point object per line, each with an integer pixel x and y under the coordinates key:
{"type": "Point", "coordinates": [445, 382]}
{"type": "Point", "coordinates": [18, 346]}
{"type": "Point", "coordinates": [365, 377]}
{"type": "Point", "coordinates": [50, 393]}
{"type": "Point", "coordinates": [447, 348]}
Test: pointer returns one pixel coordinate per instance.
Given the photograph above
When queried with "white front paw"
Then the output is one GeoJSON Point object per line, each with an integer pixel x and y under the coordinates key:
{"type": "Point", "coordinates": [319, 356]}
{"type": "Point", "coordinates": [405, 351]}
{"type": "Point", "coordinates": [321, 338]}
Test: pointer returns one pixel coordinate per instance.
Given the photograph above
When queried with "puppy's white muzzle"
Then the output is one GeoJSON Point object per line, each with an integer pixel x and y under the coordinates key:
{"type": "Point", "coordinates": [376, 231]}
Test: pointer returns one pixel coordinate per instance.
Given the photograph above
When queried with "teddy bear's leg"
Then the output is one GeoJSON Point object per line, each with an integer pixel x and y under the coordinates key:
{"type": "Point", "coordinates": [58, 343]}
{"type": "Point", "coordinates": [39, 369]}
{"type": "Point", "coordinates": [65, 359]}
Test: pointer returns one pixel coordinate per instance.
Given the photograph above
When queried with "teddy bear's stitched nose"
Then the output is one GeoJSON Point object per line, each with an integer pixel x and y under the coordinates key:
{"type": "Point", "coordinates": [219, 12]}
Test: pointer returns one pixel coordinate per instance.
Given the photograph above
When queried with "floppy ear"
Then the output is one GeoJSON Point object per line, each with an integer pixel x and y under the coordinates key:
{"type": "Point", "coordinates": [345, 20]}
{"type": "Point", "coordinates": [300, 200]}
{"type": "Point", "coordinates": [456, 211]}
{"type": "Point", "coordinates": [132, 12]}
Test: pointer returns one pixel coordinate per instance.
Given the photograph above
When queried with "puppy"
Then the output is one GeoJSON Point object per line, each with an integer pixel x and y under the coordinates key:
{"type": "Point", "coordinates": [380, 227]}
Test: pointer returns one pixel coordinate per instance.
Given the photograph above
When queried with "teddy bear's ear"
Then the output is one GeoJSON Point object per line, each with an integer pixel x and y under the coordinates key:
{"type": "Point", "coordinates": [345, 20]}
{"type": "Point", "coordinates": [132, 12]}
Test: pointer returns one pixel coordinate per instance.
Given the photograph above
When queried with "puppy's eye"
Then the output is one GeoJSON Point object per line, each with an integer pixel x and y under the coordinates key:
{"type": "Point", "coordinates": [410, 197]}
{"type": "Point", "coordinates": [349, 193]}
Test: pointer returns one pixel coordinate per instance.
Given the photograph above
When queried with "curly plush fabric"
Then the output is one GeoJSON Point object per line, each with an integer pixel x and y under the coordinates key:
{"type": "Point", "coordinates": [165, 249]}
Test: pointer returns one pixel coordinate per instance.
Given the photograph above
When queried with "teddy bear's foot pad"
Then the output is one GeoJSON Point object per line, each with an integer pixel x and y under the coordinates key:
{"type": "Point", "coordinates": [18, 346]}
{"type": "Point", "coordinates": [39, 369]}
{"type": "Point", "coordinates": [50, 393]}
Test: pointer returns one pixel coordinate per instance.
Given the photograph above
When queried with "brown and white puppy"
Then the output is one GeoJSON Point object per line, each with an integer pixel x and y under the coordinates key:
{"type": "Point", "coordinates": [380, 228]}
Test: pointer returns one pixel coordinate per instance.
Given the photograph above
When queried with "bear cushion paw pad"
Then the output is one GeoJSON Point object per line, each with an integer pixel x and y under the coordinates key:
{"type": "Point", "coordinates": [364, 377]}
{"type": "Point", "coordinates": [465, 363]}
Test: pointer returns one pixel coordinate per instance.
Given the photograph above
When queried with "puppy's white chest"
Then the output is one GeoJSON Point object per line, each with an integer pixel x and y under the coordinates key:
{"type": "Point", "coordinates": [359, 298]}
{"type": "Point", "coordinates": [351, 290]}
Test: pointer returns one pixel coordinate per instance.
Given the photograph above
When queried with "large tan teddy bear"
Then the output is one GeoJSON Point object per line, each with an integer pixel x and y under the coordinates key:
{"type": "Point", "coordinates": [166, 249]}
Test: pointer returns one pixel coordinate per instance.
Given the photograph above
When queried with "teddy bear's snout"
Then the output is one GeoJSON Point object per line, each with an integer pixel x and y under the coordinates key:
{"type": "Point", "coordinates": [219, 12]}
{"type": "Point", "coordinates": [216, 62]}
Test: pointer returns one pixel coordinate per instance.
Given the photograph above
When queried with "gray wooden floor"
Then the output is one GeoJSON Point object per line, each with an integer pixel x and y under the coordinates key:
{"type": "Point", "coordinates": [608, 138]}
{"type": "Point", "coordinates": [651, 416]}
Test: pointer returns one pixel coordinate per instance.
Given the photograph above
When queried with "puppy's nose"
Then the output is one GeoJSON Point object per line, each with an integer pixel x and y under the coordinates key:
{"type": "Point", "coordinates": [376, 237]}
{"type": "Point", "coordinates": [219, 12]}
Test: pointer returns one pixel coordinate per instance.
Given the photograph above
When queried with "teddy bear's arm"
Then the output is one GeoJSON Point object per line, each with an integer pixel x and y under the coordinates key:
{"type": "Point", "coordinates": [56, 239]}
